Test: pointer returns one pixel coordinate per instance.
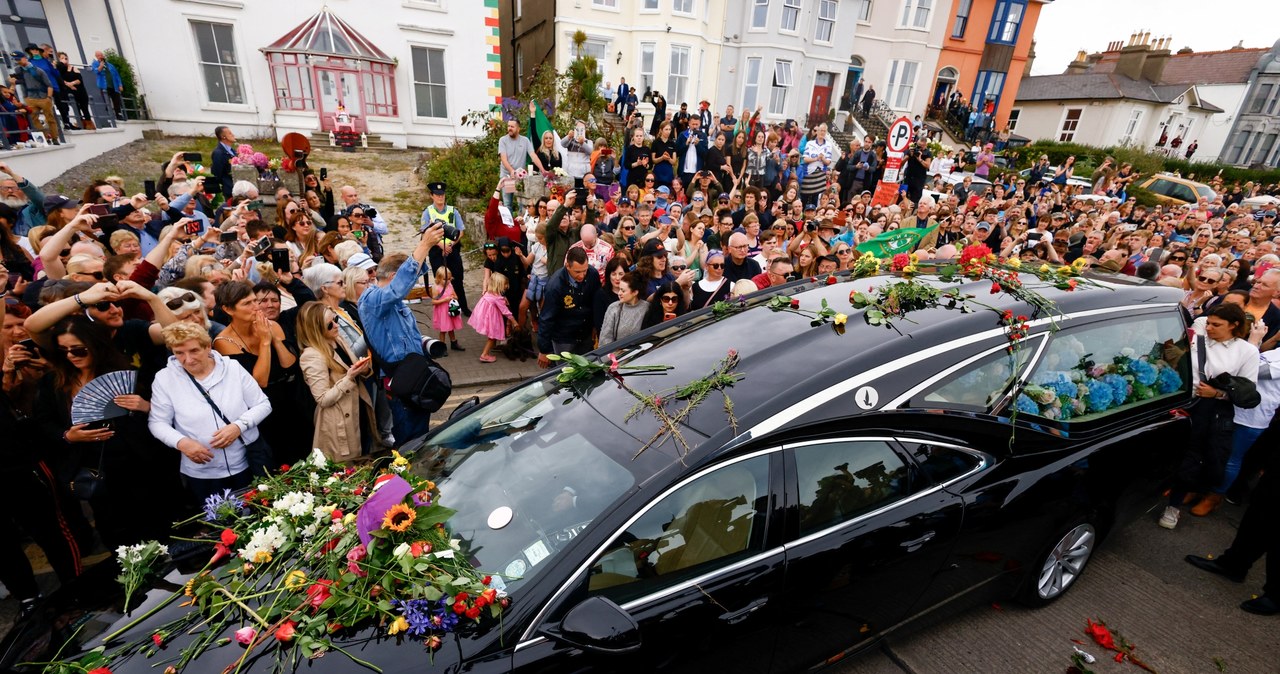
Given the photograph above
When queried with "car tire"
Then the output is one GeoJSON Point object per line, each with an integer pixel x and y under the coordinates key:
{"type": "Point", "coordinates": [1060, 564]}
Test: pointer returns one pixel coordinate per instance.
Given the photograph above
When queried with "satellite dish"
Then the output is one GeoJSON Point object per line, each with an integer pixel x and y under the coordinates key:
{"type": "Point", "coordinates": [296, 147]}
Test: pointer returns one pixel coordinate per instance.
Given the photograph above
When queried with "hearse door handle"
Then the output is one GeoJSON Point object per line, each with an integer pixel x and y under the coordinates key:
{"type": "Point", "coordinates": [735, 617]}
{"type": "Point", "coordinates": [916, 543]}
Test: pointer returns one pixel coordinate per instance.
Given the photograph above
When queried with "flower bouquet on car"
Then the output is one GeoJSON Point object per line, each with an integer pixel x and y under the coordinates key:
{"type": "Point", "coordinates": [312, 557]}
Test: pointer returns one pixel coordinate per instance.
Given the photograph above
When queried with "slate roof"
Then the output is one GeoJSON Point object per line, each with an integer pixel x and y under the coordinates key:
{"type": "Point", "coordinates": [1101, 86]}
{"type": "Point", "coordinates": [1229, 66]}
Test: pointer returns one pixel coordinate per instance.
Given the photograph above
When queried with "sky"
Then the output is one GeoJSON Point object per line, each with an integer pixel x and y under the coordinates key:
{"type": "Point", "coordinates": [1067, 26]}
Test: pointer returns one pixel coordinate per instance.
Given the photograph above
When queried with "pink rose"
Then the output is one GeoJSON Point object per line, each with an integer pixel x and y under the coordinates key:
{"type": "Point", "coordinates": [246, 635]}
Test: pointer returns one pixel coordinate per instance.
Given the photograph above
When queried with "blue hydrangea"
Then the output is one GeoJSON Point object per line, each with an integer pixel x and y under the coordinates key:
{"type": "Point", "coordinates": [1100, 396]}
{"type": "Point", "coordinates": [1168, 381]}
{"type": "Point", "coordinates": [1026, 405]}
{"type": "Point", "coordinates": [1143, 372]}
{"type": "Point", "coordinates": [1119, 388]}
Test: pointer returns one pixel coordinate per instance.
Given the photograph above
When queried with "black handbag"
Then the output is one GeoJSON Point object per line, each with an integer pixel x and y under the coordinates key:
{"type": "Point", "coordinates": [90, 482]}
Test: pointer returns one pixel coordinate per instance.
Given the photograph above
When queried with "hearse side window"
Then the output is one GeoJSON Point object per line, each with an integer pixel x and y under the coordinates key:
{"type": "Point", "coordinates": [978, 385]}
{"type": "Point", "coordinates": [1108, 367]}
{"type": "Point", "coordinates": [842, 480]}
{"type": "Point", "coordinates": [941, 463]}
{"type": "Point", "coordinates": [712, 521]}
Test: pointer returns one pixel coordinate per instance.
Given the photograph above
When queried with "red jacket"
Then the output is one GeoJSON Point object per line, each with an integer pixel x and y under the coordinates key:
{"type": "Point", "coordinates": [494, 226]}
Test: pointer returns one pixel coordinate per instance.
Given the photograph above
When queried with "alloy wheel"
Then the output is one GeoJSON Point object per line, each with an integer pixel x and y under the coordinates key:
{"type": "Point", "coordinates": [1066, 561]}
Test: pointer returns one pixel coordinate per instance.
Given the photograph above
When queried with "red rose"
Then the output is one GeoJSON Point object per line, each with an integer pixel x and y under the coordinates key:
{"type": "Point", "coordinates": [286, 631]}
{"type": "Point", "coordinates": [490, 595]}
{"type": "Point", "coordinates": [1008, 315]}
{"type": "Point", "coordinates": [336, 514]}
{"type": "Point", "coordinates": [1099, 633]}
{"type": "Point", "coordinates": [473, 612]}
{"type": "Point", "coordinates": [100, 670]}
{"type": "Point", "coordinates": [318, 593]}
{"type": "Point", "coordinates": [900, 261]}
{"type": "Point", "coordinates": [831, 280]}
{"type": "Point", "coordinates": [328, 547]}
{"type": "Point", "coordinates": [795, 304]}
{"type": "Point", "coordinates": [486, 580]}
{"type": "Point", "coordinates": [250, 495]}
{"type": "Point", "coordinates": [1022, 319]}
{"type": "Point", "coordinates": [995, 288]}
{"type": "Point", "coordinates": [358, 491]}
{"type": "Point", "coordinates": [1119, 657]}
{"type": "Point", "coordinates": [459, 608]}
{"type": "Point", "coordinates": [159, 640]}
{"type": "Point", "coordinates": [228, 537]}
{"type": "Point", "coordinates": [284, 468]}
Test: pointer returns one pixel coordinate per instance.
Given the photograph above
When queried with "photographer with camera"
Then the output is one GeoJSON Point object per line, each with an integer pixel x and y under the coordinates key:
{"type": "Point", "coordinates": [390, 328]}
{"type": "Point", "coordinates": [449, 254]}
{"type": "Point", "coordinates": [916, 170]}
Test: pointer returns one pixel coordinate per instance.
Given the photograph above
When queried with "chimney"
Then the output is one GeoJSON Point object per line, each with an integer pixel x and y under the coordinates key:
{"type": "Point", "coordinates": [1134, 56]}
{"type": "Point", "coordinates": [1079, 66]}
{"type": "Point", "coordinates": [1153, 67]}
{"type": "Point", "coordinates": [1031, 59]}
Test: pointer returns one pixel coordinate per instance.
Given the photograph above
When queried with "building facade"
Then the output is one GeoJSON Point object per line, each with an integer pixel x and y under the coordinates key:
{"type": "Point", "coordinates": [408, 73]}
{"type": "Point", "coordinates": [528, 41]}
{"type": "Point", "coordinates": [897, 44]}
{"type": "Point", "coordinates": [1252, 140]}
{"type": "Point", "coordinates": [985, 54]}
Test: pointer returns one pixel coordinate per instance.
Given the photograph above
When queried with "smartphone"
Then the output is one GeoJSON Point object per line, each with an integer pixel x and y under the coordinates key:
{"type": "Point", "coordinates": [280, 259]}
{"type": "Point", "coordinates": [193, 157]}
{"type": "Point", "coordinates": [31, 346]}
{"type": "Point", "coordinates": [261, 247]}
{"type": "Point", "coordinates": [357, 233]}
{"type": "Point", "coordinates": [582, 195]}
{"type": "Point", "coordinates": [108, 222]}
{"type": "Point", "coordinates": [212, 186]}
{"type": "Point", "coordinates": [255, 204]}
{"type": "Point", "coordinates": [101, 423]}
{"type": "Point", "coordinates": [192, 227]}
{"type": "Point", "coordinates": [227, 237]}
{"type": "Point", "coordinates": [149, 188]}
{"type": "Point", "coordinates": [99, 209]}
{"type": "Point", "coordinates": [324, 173]}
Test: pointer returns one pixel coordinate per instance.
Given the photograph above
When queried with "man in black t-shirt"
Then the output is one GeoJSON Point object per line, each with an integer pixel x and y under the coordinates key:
{"type": "Point", "coordinates": [916, 169]}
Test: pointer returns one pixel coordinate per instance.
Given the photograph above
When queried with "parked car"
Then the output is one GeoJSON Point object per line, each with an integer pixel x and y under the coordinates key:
{"type": "Point", "coordinates": [1262, 202]}
{"type": "Point", "coordinates": [881, 479]}
{"type": "Point", "coordinates": [1073, 181]}
{"type": "Point", "coordinates": [977, 185]}
{"type": "Point", "coordinates": [1171, 189]}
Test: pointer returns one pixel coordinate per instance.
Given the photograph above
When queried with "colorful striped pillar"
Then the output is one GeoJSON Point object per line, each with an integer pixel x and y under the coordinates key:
{"type": "Point", "coordinates": [494, 56]}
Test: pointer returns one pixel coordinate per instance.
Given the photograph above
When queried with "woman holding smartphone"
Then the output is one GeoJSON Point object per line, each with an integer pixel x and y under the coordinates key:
{"type": "Point", "coordinates": [345, 425]}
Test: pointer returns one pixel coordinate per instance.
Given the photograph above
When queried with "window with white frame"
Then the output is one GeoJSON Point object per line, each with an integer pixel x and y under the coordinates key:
{"type": "Point", "coordinates": [650, 5]}
{"type": "Point", "coordinates": [760, 14]}
{"type": "Point", "coordinates": [1237, 148]}
{"type": "Point", "coordinates": [1070, 122]}
{"type": "Point", "coordinates": [790, 15]}
{"type": "Point", "coordinates": [218, 62]}
{"type": "Point", "coordinates": [1014, 114]}
{"type": "Point", "coordinates": [1259, 100]}
{"type": "Point", "coordinates": [781, 85]}
{"type": "Point", "coordinates": [519, 69]}
{"type": "Point", "coordinates": [682, 6]}
{"type": "Point", "coordinates": [611, 4]}
{"type": "Point", "coordinates": [594, 47]}
{"type": "Point", "coordinates": [678, 73]}
{"type": "Point", "coordinates": [518, 6]}
{"type": "Point", "coordinates": [864, 10]}
{"type": "Point", "coordinates": [647, 50]}
{"type": "Point", "coordinates": [963, 8]}
{"type": "Point", "coordinates": [1131, 129]}
{"type": "Point", "coordinates": [902, 84]}
{"type": "Point", "coordinates": [915, 14]}
{"type": "Point", "coordinates": [826, 20]}
{"type": "Point", "coordinates": [751, 84]}
{"type": "Point", "coordinates": [428, 83]}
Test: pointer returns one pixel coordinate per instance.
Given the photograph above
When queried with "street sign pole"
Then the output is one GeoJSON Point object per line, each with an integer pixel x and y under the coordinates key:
{"type": "Point", "coordinates": [896, 143]}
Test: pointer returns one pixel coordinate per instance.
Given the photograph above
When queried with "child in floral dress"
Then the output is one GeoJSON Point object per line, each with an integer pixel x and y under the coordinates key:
{"type": "Point", "coordinates": [446, 314]}
{"type": "Point", "coordinates": [492, 317]}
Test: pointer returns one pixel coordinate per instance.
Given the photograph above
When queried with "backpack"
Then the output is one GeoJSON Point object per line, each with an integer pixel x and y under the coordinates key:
{"type": "Point", "coordinates": [420, 383]}
{"type": "Point", "coordinates": [606, 169]}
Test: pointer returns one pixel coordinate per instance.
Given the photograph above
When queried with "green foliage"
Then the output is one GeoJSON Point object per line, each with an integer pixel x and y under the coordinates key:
{"type": "Point", "coordinates": [1149, 163]}
{"type": "Point", "coordinates": [470, 168]}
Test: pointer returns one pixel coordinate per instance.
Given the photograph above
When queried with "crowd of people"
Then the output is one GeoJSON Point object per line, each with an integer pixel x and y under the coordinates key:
{"type": "Point", "coordinates": [46, 79]}
{"type": "Point", "coordinates": [254, 343]}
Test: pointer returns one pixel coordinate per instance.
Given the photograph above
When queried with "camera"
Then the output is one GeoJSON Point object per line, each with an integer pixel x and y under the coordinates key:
{"type": "Point", "coordinates": [434, 348]}
{"type": "Point", "coordinates": [450, 232]}
{"type": "Point", "coordinates": [811, 226]}
{"type": "Point", "coordinates": [371, 212]}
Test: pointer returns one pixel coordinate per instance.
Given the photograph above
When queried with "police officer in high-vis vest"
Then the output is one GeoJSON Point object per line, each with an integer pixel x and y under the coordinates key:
{"type": "Point", "coordinates": [449, 252]}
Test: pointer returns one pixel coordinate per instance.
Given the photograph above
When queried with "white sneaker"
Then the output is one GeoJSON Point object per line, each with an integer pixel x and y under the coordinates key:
{"type": "Point", "coordinates": [1169, 519]}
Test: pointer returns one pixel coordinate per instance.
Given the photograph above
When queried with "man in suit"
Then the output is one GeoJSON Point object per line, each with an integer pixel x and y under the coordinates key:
{"type": "Point", "coordinates": [621, 101]}
{"type": "Point", "coordinates": [691, 151]}
{"type": "Point", "coordinates": [222, 155]}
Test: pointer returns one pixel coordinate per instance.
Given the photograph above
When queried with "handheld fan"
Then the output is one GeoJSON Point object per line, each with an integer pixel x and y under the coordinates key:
{"type": "Point", "coordinates": [96, 401]}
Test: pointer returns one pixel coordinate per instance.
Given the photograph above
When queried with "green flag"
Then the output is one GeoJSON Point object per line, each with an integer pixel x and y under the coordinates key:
{"type": "Point", "coordinates": [898, 241]}
{"type": "Point", "coordinates": [540, 125]}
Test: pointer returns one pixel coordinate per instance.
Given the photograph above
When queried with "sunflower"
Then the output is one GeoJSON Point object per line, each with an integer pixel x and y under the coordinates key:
{"type": "Point", "coordinates": [399, 518]}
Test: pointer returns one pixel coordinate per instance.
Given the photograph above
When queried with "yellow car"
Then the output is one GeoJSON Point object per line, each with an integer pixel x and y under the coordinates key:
{"type": "Point", "coordinates": [1170, 189]}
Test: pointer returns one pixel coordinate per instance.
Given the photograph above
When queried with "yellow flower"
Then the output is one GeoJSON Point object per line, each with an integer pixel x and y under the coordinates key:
{"type": "Point", "coordinates": [399, 517]}
{"type": "Point", "coordinates": [1064, 270]}
{"type": "Point", "coordinates": [1044, 269]}
{"type": "Point", "coordinates": [840, 319]}
{"type": "Point", "coordinates": [261, 557]}
{"type": "Point", "coordinates": [398, 625]}
{"type": "Point", "coordinates": [349, 518]}
{"type": "Point", "coordinates": [1014, 262]}
{"type": "Point", "coordinates": [1079, 263]}
{"type": "Point", "coordinates": [910, 269]}
{"type": "Point", "coordinates": [296, 579]}
{"type": "Point", "coordinates": [399, 460]}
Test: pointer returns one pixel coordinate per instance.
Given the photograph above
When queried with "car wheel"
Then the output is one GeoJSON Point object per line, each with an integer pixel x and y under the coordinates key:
{"type": "Point", "coordinates": [1057, 569]}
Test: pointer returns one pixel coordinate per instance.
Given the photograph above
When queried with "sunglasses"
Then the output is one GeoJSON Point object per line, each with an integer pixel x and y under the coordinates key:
{"type": "Point", "coordinates": [74, 351]}
{"type": "Point", "coordinates": [679, 267]}
{"type": "Point", "coordinates": [331, 324]}
{"type": "Point", "coordinates": [716, 265]}
{"type": "Point", "coordinates": [628, 228]}
{"type": "Point", "coordinates": [648, 180]}
{"type": "Point", "coordinates": [1177, 259]}
{"type": "Point", "coordinates": [65, 252]}
{"type": "Point", "coordinates": [843, 252]}
{"type": "Point", "coordinates": [670, 298]}
{"type": "Point", "coordinates": [104, 306]}
{"type": "Point", "coordinates": [698, 199]}
{"type": "Point", "coordinates": [177, 302]}
{"type": "Point", "coordinates": [1206, 279]}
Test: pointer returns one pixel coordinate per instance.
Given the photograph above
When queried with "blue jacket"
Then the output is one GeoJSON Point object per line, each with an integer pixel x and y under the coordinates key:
{"type": "Point", "coordinates": [682, 148]}
{"type": "Point", "coordinates": [33, 214]}
{"type": "Point", "coordinates": [568, 309]}
{"type": "Point", "coordinates": [35, 81]}
{"type": "Point", "coordinates": [102, 76]}
{"type": "Point", "coordinates": [222, 168]}
{"type": "Point", "coordinates": [389, 325]}
{"type": "Point", "coordinates": [623, 94]}
{"type": "Point", "coordinates": [49, 69]}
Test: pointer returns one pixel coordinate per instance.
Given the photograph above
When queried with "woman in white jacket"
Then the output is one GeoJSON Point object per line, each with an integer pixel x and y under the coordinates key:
{"type": "Point", "coordinates": [208, 407]}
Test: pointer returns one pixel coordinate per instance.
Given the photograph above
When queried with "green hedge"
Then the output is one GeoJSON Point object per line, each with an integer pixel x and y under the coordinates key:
{"type": "Point", "coordinates": [1089, 157]}
{"type": "Point", "coordinates": [469, 168]}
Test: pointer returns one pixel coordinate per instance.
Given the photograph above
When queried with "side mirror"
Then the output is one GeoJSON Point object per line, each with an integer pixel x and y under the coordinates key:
{"type": "Point", "coordinates": [597, 625]}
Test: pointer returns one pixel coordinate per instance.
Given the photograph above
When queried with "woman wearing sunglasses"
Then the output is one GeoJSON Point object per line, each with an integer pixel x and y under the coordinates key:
{"type": "Point", "coordinates": [713, 287]}
{"type": "Point", "coordinates": [344, 419]}
{"type": "Point", "coordinates": [668, 304]}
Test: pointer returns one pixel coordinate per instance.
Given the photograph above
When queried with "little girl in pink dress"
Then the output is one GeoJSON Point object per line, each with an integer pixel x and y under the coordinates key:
{"type": "Point", "coordinates": [489, 313]}
{"type": "Point", "coordinates": [446, 322]}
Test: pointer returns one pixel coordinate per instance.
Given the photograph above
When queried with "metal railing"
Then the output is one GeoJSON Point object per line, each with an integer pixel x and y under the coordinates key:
{"type": "Point", "coordinates": [101, 110]}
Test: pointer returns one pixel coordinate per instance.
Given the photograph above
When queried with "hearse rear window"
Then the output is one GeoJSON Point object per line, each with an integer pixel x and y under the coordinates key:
{"type": "Point", "coordinates": [1109, 367]}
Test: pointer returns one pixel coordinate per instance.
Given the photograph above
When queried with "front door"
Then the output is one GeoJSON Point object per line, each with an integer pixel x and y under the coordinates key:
{"type": "Point", "coordinates": [821, 101]}
{"type": "Point", "coordinates": [871, 535]}
{"type": "Point", "coordinates": [849, 100]}
{"type": "Point", "coordinates": [699, 572]}
{"type": "Point", "coordinates": [340, 93]}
